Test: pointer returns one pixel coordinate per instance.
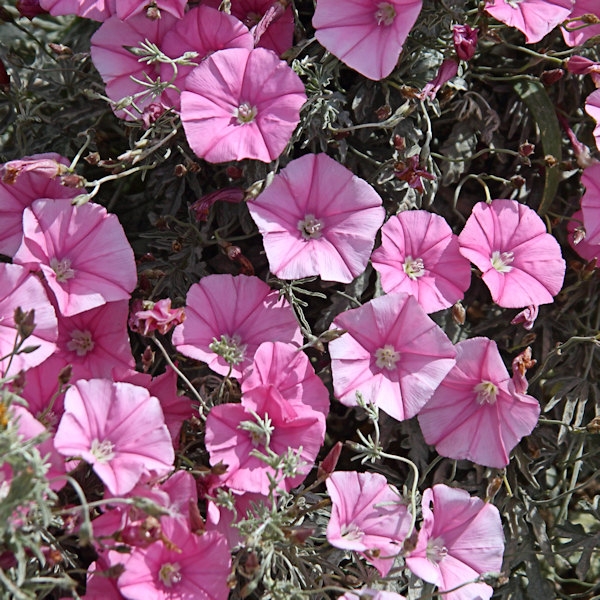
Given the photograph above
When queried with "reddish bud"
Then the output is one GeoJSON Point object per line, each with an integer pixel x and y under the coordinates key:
{"type": "Point", "coordinates": [465, 41]}
{"type": "Point", "coordinates": [30, 8]}
{"type": "Point", "coordinates": [147, 359]}
{"type": "Point", "coordinates": [383, 112]}
{"type": "Point", "coordinates": [526, 149]}
{"type": "Point", "coordinates": [551, 76]}
{"type": "Point", "coordinates": [234, 172]}
{"type": "Point", "coordinates": [327, 467]}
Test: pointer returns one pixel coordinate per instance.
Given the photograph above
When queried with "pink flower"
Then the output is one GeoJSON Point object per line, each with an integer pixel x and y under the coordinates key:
{"type": "Point", "coordinates": [527, 316]}
{"type": "Point", "coordinates": [20, 289]}
{"type": "Point", "coordinates": [118, 65]}
{"type": "Point", "coordinates": [82, 252]}
{"type": "Point", "coordinates": [476, 413]}
{"type": "Point", "coordinates": [392, 353]}
{"type": "Point", "coordinates": [155, 9]}
{"type": "Point", "coordinates": [574, 33]}
{"type": "Point", "coordinates": [229, 317]}
{"type": "Point", "coordinates": [520, 262]}
{"type": "Point", "coordinates": [592, 108]}
{"type": "Point", "coordinates": [265, 422]}
{"type": "Point", "coordinates": [420, 255]}
{"type": "Point", "coordinates": [464, 38]}
{"type": "Point", "coordinates": [201, 207]}
{"type": "Point", "coordinates": [203, 30]}
{"type": "Point", "coordinates": [580, 65]}
{"type": "Point", "coordinates": [29, 8]}
{"type": "Point", "coordinates": [317, 218]}
{"type": "Point", "coordinates": [118, 428]}
{"type": "Point", "coordinates": [460, 539]}
{"type": "Point", "coordinates": [155, 316]}
{"type": "Point", "coordinates": [367, 35]}
{"type": "Point", "coordinates": [271, 19]}
{"type": "Point", "coordinates": [241, 103]}
{"type": "Point", "coordinates": [411, 172]}
{"type": "Point", "coordinates": [368, 516]}
{"type": "Point", "coordinates": [448, 69]}
{"type": "Point", "coordinates": [535, 18]}
{"type": "Point", "coordinates": [288, 370]}
{"type": "Point", "coordinates": [590, 204]}
{"type": "Point", "coordinates": [191, 566]}
{"type": "Point", "coordinates": [24, 181]}
{"type": "Point", "coordinates": [98, 10]}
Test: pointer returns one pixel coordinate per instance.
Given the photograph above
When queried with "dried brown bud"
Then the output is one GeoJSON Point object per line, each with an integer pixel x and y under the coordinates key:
{"type": "Point", "coordinates": [60, 49]}
{"type": "Point", "coordinates": [64, 375]}
{"type": "Point", "coordinates": [180, 170]}
{"type": "Point", "coordinates": [383, 112]}
{"type": "Point", "coordinates": [551, 76]}
{"type": "Point", "coordinates": [25, 322]}
{"type": "Point", "coordinates": [399, 143]}
{"type": "Point", "coordinates": [459, 313]}
{"type": "Point", "coordinates": [550, 160]}
{"type": "Point", "coordinates": [219, 469]}
{"type": "Point", "coordinates": [298, 535]}
{"type": "Point", "coordinates": [93, 158]}
{"type": "Point", "coordinates": [594, 425]}
{"type": "Point", "coordinates": [492, 489]}
{"type": "Point", "coordinates": [526, 149]}
{"type": "Point", "coordinates": [72, 180]}
{"type": "Point", "coordinates": [147, 359]}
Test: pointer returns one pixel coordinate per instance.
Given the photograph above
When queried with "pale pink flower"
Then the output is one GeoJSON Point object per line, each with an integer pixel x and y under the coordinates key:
{"type": "Point", "coordinates": [392, 353]}
{"type": "Point", "coordinates": [264, 421]}
{"type": "Point", "coordinates": [476, 413]}
{"type": "Point", "coordinates": [367, 35]}
{"type": "Point", "coordinates": [24, 181]}
{"type": "Point", "coordinates": [203, 30]}
{"type": "Point", "coordinates": [579, 35]}
{"type": "Point", "coordinates": [580, 244]}
{"type": "Point", "coordinates": [229, 317]}
{"type": "Point", "coordinates": [520, 262]}
{"type": "Point", "coordinates": [460, 539]}
{"type": "Point", "coordinates": [191, 566]}
{"type": "Point", "coordinates": [420, 255]}
{"type": "Point", "coordinates": [535, 18]}
{"type": "Point", "coordinates": [368, 516]}
{"type": "Point", "coordinates": [98, 10]}
{"type": "Point", "coordinates": [241, 103]}
{"type": "Point", "coordinates": [82, 252]}
{"type": "Point", "coordinates": [118, 428]}
{"type": "Point", "coordinates": [148, 316]}
{"type": "Point", "coordinates": [288, 370]}
{"type": "Point", "coordinates": [318, 218]}
{"type": "Point", "coordinates": [592, 108]}
{"type": "Point", "coordinates": [21, 289]}
{"type": "Point", "coordinates": [118, 66]}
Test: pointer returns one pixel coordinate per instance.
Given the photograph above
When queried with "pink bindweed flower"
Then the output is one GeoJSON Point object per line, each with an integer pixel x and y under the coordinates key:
{"type": "Point", "coordinates": [267, 423]}
{"type": "Point", "coordinates": [118, 428]}
{"type": "Point", "coordinates": [270, 21]}
{"type": "Point", "coordinates": [368, 516]}
{"type": "Point", "coordinates": [203, 30]}
{"type": "Point", "coordinates": [114, 47]}
{"type": "Point", "coordinates": [520, 262]}
{"type": "Point", "coordinates": [392, 353]}
{"type": "Point", "coordinates": [448, 69]}
{"type": "Point", "coordinates": [98, 10]}
{"type": "Point", "coordinates": [476, 413]}
{"type": "Point", "coordinates": [535, 18]}
{"type": "Point", "coordinates": [241, 103]}
{"type": "Point", "coordinates": [147, 316]}
{"type": "Point", "coordinates": [20, 289]}
{"type": "Point", "coordinates": [190, 566]}
{"type": "Point", "coordinates": [367, 35]}
{"type": "Point", "coordinates": [465, 39]}
{"type": "Point", "coordinates": [460, 539]}
{"type": "Point", "coordinates": [82, 252]}
{"type": "Point", "coordinates": [318, 218]}
{"type": "Point", "coordinates": [580, 65]}
{"type": "Point", "coordinates": [574, 31]}
{"type": "Point", "coordinates": [227, 318]}
{"type": "Point", "coordinates": [592, 108]}
{"type": "Point", "coordinates": [420, 255]}
{"type": "Point", "coordinates": [24, 181]}
{"type": "Point", "coordinates": [590, 204]}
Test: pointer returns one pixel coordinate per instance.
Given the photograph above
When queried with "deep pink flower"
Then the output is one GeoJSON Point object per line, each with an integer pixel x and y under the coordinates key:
{"type": "Point", "coordinates": [520, 262]}
{"type": "Point", "coordinates": [420, 255]}
{"type": "Point", "coordinates": [392, 353]}
{"type": "Point", "coordinates": [29, 8]}
{"type": "Point", "coordinates": [241, 103]}
{"type": "Point", "coordinates": [98, 10]}
{"type": "Point", "coordinates": [192, 566]}
{"type": "Point", "coordinates": [118, 428]}
{"type": "Point", "coordinates": [592, 108]}
{"type": "Point", "coordinates": [24, 181]}
{"type": "Point", "coordinates": [368, 516]}
{"type": "Point", "coordinates": [318, 218]}
{"type": "Point", "coordinates": [367, 35]}
{"type": "Point", "coordinates": [580, 65]}
{"type": "Point", "coordinates": [535, 18]}
{"type": "Point", "coordinates": [411, 172]}
{"type": "Point", "coordinates": [82, 252]}
{"type": "Point", "coordinates": [464, 38]}
{"type": "Point", "coordinates": [20, 289]}
{"type": "Point", "coordinates": [580, 34]}
{"type": "Point", "coordinates": [201, 207]}
{"type": "Point", "coordinates": [460, 539]}
{"type": "Point", "coordinates": [264, 421]}
{"type": "Point", "coordinates": [476, 413]}
{"type": "Point", "coordinates": [578, 242]}
{"type": "Point", "coordinates": [230, 317]}
{"type": "Point", "coordinates": [448, 69]}
{"type": "Point", "coordinates": [148, 316]}
{"type": "Point", "coordinates": [118, 66]}
{"type": "Point", "coordinates": [269, 20]}
{"type": "Point", "coordinates": [203, 30]}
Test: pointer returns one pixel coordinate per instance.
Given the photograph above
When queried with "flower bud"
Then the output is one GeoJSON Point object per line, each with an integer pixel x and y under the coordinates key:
{"type": "Point", "coordinates": [465, 41]}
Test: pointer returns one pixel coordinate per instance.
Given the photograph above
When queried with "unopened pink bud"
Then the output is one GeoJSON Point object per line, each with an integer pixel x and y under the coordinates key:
{"type": "Point", "coordinates": [465, 41]}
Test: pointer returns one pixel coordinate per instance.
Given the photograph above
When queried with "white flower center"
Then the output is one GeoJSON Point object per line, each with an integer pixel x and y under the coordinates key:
{"type": "Point", "coordinates": [436, 551]}
{"type": "Point", "coordinates": [351, 532]}
{"type": "Point", "coordinates": [245, 113]}
{"type": "Point", "coordinates": [513, 3]}
{"type": "Point", "coordinates": [385, 14]}
{"type": "Point", "coordinates": [501, 261]}
{"type": "Point", "coordinates": [102, 451]}
{"type": "Point", "coordinates": [170, 574]}
{"type": "Point", "coordinates": [62, 268]}
{"type": "Point", "coordinates": [486, 392]}
{"type": "Point", "coordinates": [387, 357]}
{"type": "Point", "coordinates": [310, 227]}
{"type": "Point", "coordinates": [81, 342]}
{"type": "Point", "coordinates": [230, 348]}
{"type": "Point", "coordinates": [414, 268]}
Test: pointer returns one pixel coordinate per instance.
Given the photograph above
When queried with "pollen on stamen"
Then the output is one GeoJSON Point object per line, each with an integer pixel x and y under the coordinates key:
{"type": "Point", "coordinates": [62, 268]}
{"type": "Point", "coordinates": [385, 14]}
{"type": "Point", "coordinates": [103, 451]}
{"type": "Point", "coordinates": [245, 113]}
{"type": "Point", "coordinates": [310, 227]}
{"type": "Point", "coordinates": [81, 342]}
{"type": "Point", "coordinates": [436, 550]}
{"type": "Point", "coordinates": [486, 392]}
{"type": "Point", "coordinates": [414, 267]}
{"type": "Point", "coordinates": [170, 574]}
{"type": "Point", "coordinates": [501, 261]}
{"type": "Point", "coordinates": [387, 357]}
